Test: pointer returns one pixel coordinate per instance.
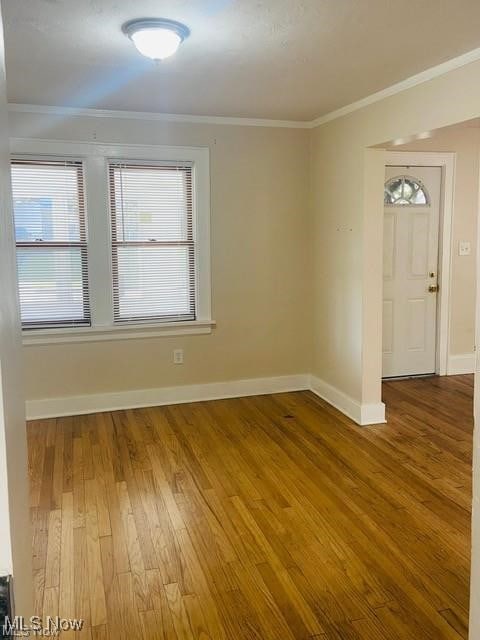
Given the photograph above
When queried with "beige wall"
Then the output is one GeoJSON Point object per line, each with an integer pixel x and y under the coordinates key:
{"type": "Point", "coordinates": [465, 143]}
{"type": "Point", "coordinates": [261, 285]}
{"type": "Point", "coordinates": [260, 265]}
{"type": "Point", "coordinates": [261, 281]}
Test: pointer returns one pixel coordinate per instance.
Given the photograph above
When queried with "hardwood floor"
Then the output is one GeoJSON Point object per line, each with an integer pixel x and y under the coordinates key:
{"type": "Point", "coordinates": [271, 517]}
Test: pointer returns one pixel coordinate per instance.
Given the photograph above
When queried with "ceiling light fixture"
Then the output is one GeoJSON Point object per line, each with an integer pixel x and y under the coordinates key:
{"type": "Point", "coordinates": [156, 38]}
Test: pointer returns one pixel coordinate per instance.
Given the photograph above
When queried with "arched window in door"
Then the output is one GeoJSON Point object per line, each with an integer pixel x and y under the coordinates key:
{"type": "Point", "coordinates": [406, 191]}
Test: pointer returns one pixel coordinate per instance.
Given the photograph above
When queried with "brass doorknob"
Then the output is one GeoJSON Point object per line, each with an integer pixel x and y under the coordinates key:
{"type": "Point", "coordinates": [433, 288]}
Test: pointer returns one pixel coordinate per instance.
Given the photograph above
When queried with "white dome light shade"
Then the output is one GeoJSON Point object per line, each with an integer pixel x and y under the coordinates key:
{"type": "Point", "coordinates": [156, 38]}
{"type": "Point", "coordinates": [156, 43]}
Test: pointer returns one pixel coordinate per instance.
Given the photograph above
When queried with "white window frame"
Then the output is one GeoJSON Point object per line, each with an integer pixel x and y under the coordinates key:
{"type": "Point", "coordinates": [95, 157]}
{"type": "Point", "coordinates": [40, 158]}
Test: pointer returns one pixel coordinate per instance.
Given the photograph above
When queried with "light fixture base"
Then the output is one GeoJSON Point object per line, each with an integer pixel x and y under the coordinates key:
{"type": "Point", "coordinates": [132, 26]}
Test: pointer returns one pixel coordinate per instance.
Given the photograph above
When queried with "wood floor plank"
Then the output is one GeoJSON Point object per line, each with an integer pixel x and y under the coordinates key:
{"type": "Point", "coordinates": [36, 458]}
{"type": "Point", "coordinates": [178, 612]}
{"type": "Point", "coordinates": [57, 486]}
{"type": "Point", "coordinates": [94, 559]}
{"type": "Point", "coordinates": [81, 576]}
{"type": "Point", "coordinates": [78, 476]}
{"type": "Point", "coordinates": [66, 603]}
{"type": "Point", "coordinates": [258, 518]}
{"type": "Point", "coordinates": [52, 571]}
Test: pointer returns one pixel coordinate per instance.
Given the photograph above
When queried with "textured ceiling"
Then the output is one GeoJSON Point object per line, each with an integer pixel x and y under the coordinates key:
{"type": "Point", "coordinates": [281, 59]}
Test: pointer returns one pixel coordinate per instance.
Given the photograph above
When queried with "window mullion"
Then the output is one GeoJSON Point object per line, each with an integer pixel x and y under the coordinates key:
{"type": "Point", "coordinates": [99, 241]}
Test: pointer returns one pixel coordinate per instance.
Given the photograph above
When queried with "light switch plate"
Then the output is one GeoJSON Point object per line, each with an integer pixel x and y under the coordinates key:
{"type": "Point", "coordinates": [464, 248]}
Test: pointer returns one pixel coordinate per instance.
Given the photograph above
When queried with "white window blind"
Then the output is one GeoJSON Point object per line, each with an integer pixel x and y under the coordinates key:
{"type": "Point", "coordinates": [153, 245]}
{"type": "Point", "coordinates": [51, 239]}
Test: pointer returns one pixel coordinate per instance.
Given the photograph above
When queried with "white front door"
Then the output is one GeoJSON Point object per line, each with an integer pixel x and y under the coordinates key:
{"type": "Point", "coordinates": [410, 270]}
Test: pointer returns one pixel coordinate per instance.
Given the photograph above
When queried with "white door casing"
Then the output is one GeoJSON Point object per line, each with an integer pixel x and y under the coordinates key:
{"type": "Point", "coordinates": [411, 233]}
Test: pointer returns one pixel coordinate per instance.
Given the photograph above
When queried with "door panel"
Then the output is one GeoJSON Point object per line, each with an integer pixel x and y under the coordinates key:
{"type": "Point", "coordinates": [388, 245]}
{"type": "Point", "coordinates": [418, 241]}
{"type": "Point", "coordinates": [410, 257]}
{"type": "Point", "coordinates": [417, 319]}
{"type": "Point", "coordinates": [387, 326]}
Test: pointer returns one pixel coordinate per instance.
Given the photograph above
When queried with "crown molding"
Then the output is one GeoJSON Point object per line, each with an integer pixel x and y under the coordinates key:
{"type": "Point", "coordinates": [408, 83]}
{"type": "Point", "coordinates": [158, 117]}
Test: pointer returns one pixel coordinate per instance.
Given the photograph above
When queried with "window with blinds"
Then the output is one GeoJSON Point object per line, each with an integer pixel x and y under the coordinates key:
{"type": "Point", "coordinates": [51, 239]}
{"type": "Point", "coordinates": [153, 245]}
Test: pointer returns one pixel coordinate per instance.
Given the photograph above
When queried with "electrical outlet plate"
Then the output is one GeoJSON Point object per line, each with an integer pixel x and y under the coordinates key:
{"type": "Point", "coordinates": [178, 356]}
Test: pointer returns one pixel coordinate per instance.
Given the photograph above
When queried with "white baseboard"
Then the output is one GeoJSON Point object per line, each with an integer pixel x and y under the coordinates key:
{"type": "Point", "coordinates": [95, 403]}
{"type": "Point", "coordinates": [79, 405]}
{"type": "Point", "coordinates": [372, 414]}
{"type": "Point", "coordinates": [362, 414]}
{"type": "Point", "coordinates": [460, 364]}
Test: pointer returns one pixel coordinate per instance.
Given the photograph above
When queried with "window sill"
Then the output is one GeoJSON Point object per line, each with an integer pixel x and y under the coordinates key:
{"type": "Point", "coordinates": [118, 332]}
